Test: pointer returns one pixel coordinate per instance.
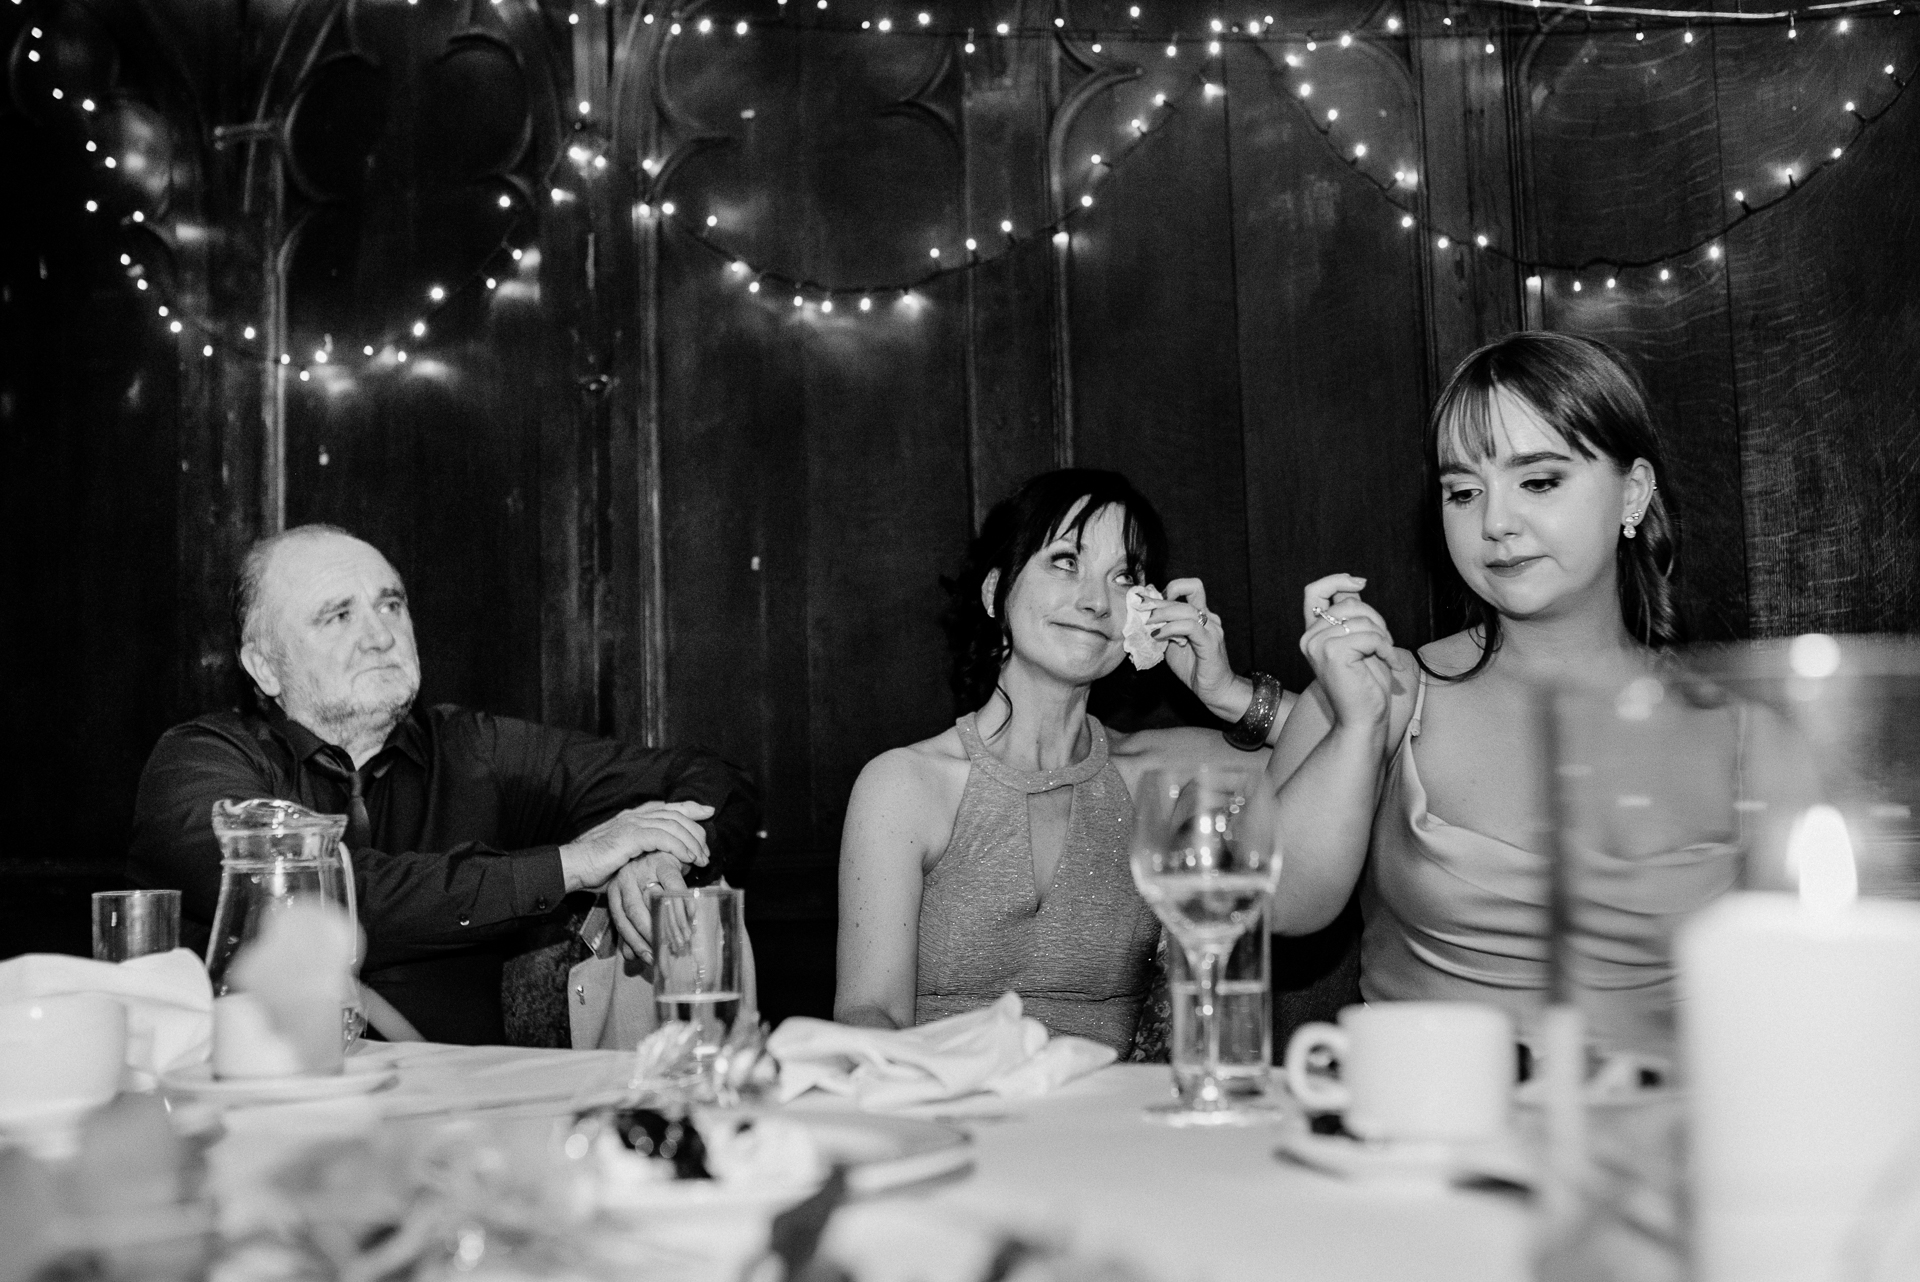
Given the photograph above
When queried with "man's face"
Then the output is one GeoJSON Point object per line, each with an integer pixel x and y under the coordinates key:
{"type": "Point", "coordinates": [332, 639]}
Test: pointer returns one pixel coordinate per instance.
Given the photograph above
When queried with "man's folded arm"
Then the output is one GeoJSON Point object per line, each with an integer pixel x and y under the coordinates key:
{"type": "Point", "coordinates": [587, 780]}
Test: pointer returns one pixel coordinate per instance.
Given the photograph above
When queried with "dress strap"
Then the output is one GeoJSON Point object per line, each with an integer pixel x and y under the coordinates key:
{"type": "Point", "coordinates": [1419, 707]}
{"type": "Point", "coordinates": [1031, 781]}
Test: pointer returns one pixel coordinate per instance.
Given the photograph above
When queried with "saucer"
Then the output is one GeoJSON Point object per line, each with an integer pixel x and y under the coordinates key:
{"type": "Point", "coordinates": [200, 1083]}
{"type": "Point", "coordinates": [1425, 1165]}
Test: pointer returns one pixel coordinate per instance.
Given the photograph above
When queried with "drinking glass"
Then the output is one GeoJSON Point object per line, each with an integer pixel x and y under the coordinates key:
{"type": "Point", "coordinates": [700, 968]}
{"type": "Point", "coordinates": [133, 923]}
{"type": "Point", "coordinates": [1205, 856]}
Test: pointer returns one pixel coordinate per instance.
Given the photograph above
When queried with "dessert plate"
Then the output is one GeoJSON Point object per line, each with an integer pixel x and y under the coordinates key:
{"type": "Point", "coordinates": [200, 1083]}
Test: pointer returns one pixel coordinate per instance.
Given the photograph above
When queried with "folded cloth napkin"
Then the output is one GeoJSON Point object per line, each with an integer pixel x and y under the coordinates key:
{"type": "Point", "coordinates": [168, 999]}
{"type": "Point", "coordinates": [993, 1049]}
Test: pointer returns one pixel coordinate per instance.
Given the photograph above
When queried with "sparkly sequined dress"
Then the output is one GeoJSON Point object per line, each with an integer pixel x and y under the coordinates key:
{"type": "Point", "coordinates": [1080, 958]}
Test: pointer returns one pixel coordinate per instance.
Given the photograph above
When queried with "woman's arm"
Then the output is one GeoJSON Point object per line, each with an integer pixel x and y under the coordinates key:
{"type": "Point", "coordinates": [1197, 653]}
{"type": "Point", "coordinates": [882, 847]}
{"type": "Point", "coordinates": [1327, 765]}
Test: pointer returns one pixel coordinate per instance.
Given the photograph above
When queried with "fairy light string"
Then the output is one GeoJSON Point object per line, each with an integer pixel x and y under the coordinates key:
{"type": "Point", "coordinates": [977, 249]}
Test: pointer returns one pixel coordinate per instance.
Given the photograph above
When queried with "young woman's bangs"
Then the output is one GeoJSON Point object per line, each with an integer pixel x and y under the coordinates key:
{"type": "Point", "coordinates": [1469, 427]}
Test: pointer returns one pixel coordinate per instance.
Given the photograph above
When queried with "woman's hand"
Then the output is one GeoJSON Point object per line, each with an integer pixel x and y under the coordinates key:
{"type": "Point", "coordinates": [1351, 650]}
{"type": "Point", "coordinates": [1197, 648]}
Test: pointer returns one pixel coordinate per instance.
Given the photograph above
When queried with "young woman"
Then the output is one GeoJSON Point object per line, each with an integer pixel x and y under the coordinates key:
{"type": "Point", "coordinates": [1425, 771]}
{"type": "Point", "coordinates": [993, 856]}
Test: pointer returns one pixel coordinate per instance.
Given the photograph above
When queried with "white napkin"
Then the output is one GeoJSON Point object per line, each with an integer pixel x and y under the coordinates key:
{"type": "Point", "coordinates": [1145, 649]}
{"type": "Point", "coordinates": [168, 999]}
{"type": "Point", "coordinates": [994, 1049]}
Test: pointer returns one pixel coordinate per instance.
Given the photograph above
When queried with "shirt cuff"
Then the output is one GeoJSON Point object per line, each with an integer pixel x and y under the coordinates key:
{"type": "Point", "coordinates": [539, 884]}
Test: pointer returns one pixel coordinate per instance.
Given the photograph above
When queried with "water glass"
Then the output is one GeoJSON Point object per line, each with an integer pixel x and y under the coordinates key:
{"type": "Point", "coordinates": [1246, 1018]}
{"type": "Point", "coordinates": [700, 970]}
{"type": "Point", "coordinates": [1204, 855]}
{"type": "Point", "coordinates": [133, 923]}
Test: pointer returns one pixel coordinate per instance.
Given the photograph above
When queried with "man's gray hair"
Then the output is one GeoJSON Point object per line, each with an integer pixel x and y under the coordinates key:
{"type": "Point", "coordinates": [253, 568]}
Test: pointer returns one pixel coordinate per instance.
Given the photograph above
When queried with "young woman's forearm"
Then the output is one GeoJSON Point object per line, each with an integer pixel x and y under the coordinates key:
{"type": "Point", "coordinates": [1326, 820]}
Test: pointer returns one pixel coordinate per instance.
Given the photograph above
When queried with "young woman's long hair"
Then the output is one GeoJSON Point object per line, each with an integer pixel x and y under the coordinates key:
{"type": "Point", "coordinates": [1586, 391]}
{"type": "Point", "coordinates": [1014, 530]}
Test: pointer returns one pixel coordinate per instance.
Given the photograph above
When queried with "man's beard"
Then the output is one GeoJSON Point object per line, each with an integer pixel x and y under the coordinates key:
{"type": "Point", "coordinates": [345, 722]}
{"type": "Point", "coordinates": [350, 721]}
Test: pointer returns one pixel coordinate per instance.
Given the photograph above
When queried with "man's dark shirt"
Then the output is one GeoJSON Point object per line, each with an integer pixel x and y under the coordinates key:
{"type": "Point", "coordinates": [467, 813]}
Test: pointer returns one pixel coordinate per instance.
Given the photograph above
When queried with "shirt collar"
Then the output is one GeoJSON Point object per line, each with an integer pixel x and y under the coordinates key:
{"type": "Point", "coordinates": [408, 738]}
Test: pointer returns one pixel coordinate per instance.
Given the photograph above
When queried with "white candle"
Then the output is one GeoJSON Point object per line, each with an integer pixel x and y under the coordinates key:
{"type": "Point", "coordinates": [1800, 1028]}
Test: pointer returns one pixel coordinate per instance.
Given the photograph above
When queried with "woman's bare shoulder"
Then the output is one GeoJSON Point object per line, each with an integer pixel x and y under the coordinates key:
{"type": "Point", "coordinates": [1451, 656]}
{"type": "Point", "coordinates": [916, 773]}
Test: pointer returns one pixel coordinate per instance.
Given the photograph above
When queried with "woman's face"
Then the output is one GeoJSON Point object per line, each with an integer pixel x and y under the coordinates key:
{"type": "Point", "coordinates": [1533, 528]}
{"type": "Point", "coordinates": [1067, 607]}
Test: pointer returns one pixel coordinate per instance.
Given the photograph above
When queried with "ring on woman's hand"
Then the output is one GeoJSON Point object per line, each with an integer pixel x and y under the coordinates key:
{"type": "Point", "coordinates": [1334, 619]}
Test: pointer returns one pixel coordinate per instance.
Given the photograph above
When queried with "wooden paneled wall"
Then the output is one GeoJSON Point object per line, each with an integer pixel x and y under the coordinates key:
{"type": "Point", "coordinates": [631, 495]}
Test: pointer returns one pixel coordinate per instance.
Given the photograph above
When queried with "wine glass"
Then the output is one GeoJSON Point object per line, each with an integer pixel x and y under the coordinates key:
{"type": "Point", "coordinates": [1205, 856]}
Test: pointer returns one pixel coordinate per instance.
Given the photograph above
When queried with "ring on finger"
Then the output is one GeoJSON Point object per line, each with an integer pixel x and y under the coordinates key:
{"type": "Point", "coordinates": [1334, 619]}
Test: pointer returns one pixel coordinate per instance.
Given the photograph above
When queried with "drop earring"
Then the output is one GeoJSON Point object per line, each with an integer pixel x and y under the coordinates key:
{"type": "Point", "coordinates": [1631, 525]}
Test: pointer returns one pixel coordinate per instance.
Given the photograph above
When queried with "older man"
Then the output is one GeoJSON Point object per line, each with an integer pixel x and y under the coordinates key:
{"type": "Point", "coordinates": [466, 828]}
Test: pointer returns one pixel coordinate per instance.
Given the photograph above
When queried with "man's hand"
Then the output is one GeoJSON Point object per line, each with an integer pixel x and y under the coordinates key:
{"type": "Point", "coordinates": [666, 828]}
{"type": "Point", "coordinates": [630, 905]}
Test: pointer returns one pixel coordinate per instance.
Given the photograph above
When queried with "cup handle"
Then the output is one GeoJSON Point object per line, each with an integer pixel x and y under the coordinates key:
{"type": "Point", "coordinates": [1317, 1092]}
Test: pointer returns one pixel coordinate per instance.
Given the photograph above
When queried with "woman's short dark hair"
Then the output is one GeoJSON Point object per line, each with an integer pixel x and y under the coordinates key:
{"type": "Point", "coordinates": [1017, 527]}
{"type": "Point", "coordinates": [1587, 392]}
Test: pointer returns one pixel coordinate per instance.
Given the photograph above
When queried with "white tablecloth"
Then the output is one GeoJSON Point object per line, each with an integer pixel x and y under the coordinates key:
{"type": "Point", "coordinates": [1181, 1204]}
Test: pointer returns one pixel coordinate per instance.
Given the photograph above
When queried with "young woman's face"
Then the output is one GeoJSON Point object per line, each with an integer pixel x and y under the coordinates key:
{"type": "Point", "coordinates": [1533, 528]}
{"type": "Point", "coordinates": [1067, 607]}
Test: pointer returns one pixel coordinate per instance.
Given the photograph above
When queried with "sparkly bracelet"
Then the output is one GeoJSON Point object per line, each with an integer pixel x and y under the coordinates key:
{"type": "Point", "coordinates": [1249, 733]}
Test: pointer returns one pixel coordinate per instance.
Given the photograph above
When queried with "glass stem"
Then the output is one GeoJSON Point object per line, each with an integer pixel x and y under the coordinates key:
{"type": "Point", "coordinates": [1206, 970]}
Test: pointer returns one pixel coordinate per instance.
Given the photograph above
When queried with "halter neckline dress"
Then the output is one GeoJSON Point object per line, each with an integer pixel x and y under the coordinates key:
{"type": "Point", "coordinates": [1451, 914]}
{"type": "Point", "coordinates": [1080, 957]}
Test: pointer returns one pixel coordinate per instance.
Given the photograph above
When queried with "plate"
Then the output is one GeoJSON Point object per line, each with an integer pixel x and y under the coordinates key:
{"type": "Point", "coordinates": [882, 1152]}
{"type": "Point", "coordinates": [200, 1083]}
{"type": "Point", "coordinates": [878, 1152]}
{"type": "Point", "coordinates": [1427, 1164]}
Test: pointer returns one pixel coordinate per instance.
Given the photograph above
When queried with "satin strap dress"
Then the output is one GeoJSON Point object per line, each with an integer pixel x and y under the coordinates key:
{"type": "Point", "coordinates": [1455, 915]}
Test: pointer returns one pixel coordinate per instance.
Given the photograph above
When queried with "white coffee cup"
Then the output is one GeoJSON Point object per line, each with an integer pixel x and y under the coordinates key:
{"type": "Point", "coordinates": [60, 1056]}
{"type": "Point", "coordinates": [1410, 1070]}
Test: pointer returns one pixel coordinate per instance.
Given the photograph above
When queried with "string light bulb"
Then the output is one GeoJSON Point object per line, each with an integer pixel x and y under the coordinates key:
{"type": "Point", "coordinates": [1665, 274]}
{"type": "Point", "coordinates": [436, 293]}
{"type": "Point", "coordinates": [1443, 243]}
{"type": "Point", "coordinates": [1001, 28]}
{"type": "Point", "coordinates": [419, 329]}
{"type": "Point", "coordinates": [826, 304]}
{"type": "Point", "coordinates": [1006, 226]}
{"type": "Point", "coordinates": [866, 304]}
{"type": "Point", "coordinates": [1406, 220]}
{"type": "Point", "coordinates": [248, 333]}
{"type": "Point", "coordinates": [1576, 287]}
{"type": "Point", "coordinates": [1346, 40]}
{"type": "Point", "coordinates": [1481, 240]}
{"type": "Point", "coordinates": [1359, 151]}
{"type": "Point", "coordinates": [1086, 202]}
{"type": "Point", "coordinates": [1713, 252]}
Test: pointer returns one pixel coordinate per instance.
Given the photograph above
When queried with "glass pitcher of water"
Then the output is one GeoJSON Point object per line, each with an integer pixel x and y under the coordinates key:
{"type": "Point", "coordinates": [273, 854]}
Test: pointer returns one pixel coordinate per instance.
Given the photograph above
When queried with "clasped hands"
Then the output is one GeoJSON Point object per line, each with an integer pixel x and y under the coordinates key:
{"type": "Point", "coordinates": [629, 855]}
